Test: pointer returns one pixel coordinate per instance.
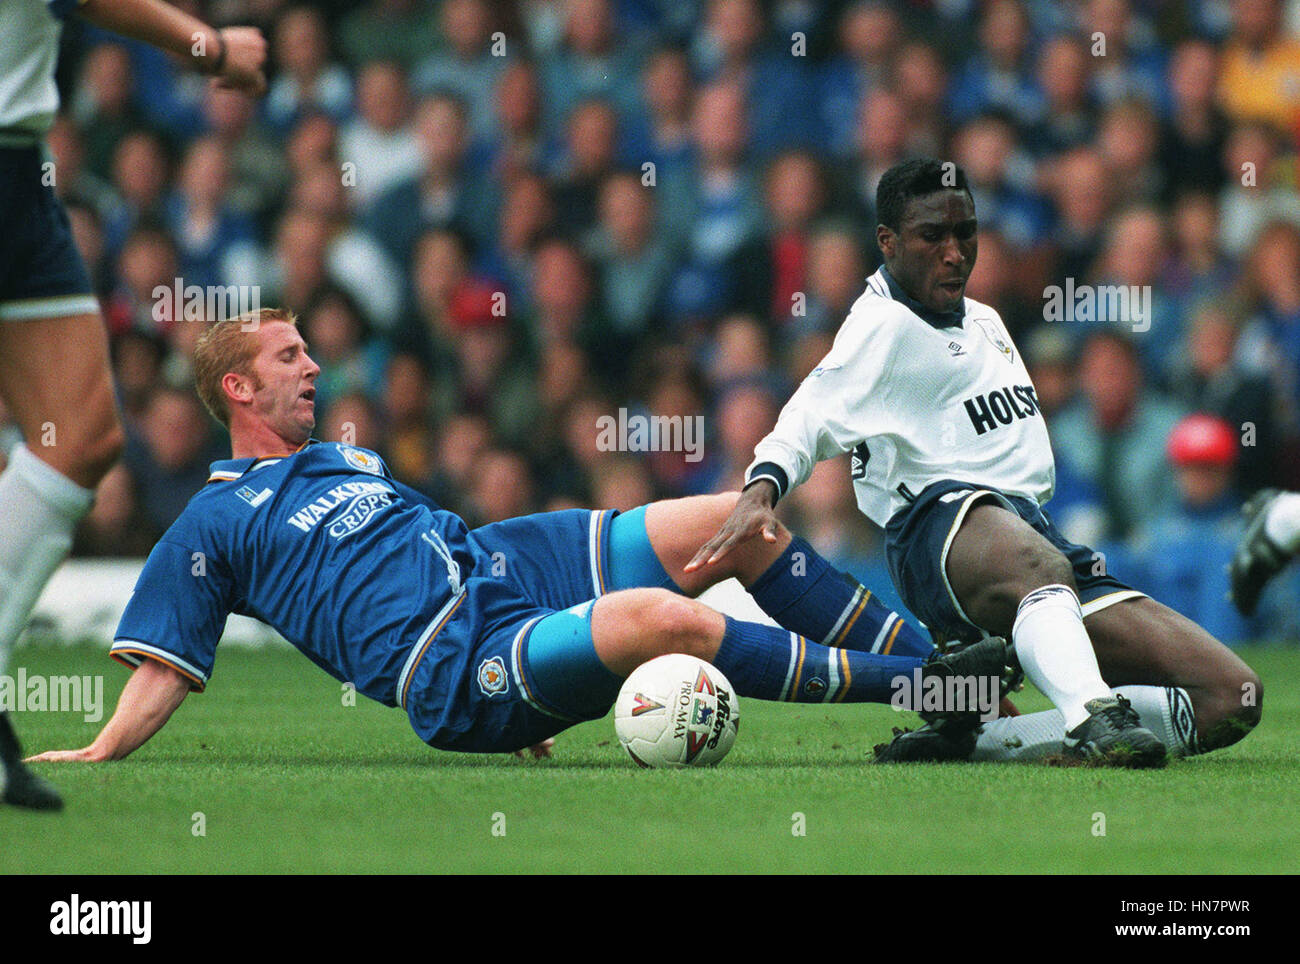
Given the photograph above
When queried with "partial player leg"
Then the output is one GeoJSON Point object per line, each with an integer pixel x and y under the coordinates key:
{"type": "Point", "coordinates": [1271, 540]}
{"type": "Point", "coordinates": [55, 380]}
{"type": "Point", "coordinates": [577, 659]}
{"type": "Point", "coordinates": [1189, 689]}
{"type": "Point", "coordinates": [1143, 641]}
{"type": "Point", "coordinates": [762, 661]}
{"type": "Point", "coordinates": [1009, 579]}
{"type": "Point", "coordinates": [788, 579]}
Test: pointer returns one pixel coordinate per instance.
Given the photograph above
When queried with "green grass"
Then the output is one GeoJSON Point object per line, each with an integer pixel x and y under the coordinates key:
{"type": "Point", "coordinates": [288, 779]}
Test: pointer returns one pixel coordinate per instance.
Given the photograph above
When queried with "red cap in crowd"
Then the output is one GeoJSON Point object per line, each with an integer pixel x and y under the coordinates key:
{"type": "Point", "coordinates": [1203, 440]}
{"type": "Point", "coordinates": [474, 305]}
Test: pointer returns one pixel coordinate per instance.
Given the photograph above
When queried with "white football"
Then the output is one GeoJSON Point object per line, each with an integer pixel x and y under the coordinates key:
{"type": "Point", "coordinates": [676, 711]}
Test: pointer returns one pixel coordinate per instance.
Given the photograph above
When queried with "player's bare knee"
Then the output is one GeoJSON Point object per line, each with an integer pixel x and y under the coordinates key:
{"type": "Point", "coordinates": [1242, 702]}
{"type": "Point", "coordinates": [1229, 709]}
{"type": "Point", "coordinates": [675, 624]}
{"type": "Point", "coordinates": [1033, 565]}
{"type": "Point", "coordinates": [1042, 564]}
{"type": "Point", "coordinates": [1250, 701]}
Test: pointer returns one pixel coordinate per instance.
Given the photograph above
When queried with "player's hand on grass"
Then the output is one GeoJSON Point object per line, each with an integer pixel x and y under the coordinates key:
{"type": "Point", "coordinates": [752, 516]}
{"type": "Point", "coordinates": [85, 755]}
{"type": "Point", "coordinates": [243, 61]}
{"type": "Point", "coordinates": [537, 750]}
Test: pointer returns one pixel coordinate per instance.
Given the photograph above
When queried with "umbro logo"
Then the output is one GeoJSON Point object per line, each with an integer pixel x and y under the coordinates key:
{"type": "Point", "coordinates": [956, 349]}
{"type": "Point", "coordinates": [858, 464]}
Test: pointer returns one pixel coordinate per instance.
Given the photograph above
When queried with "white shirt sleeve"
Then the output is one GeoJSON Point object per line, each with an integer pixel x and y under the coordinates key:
{"type": "Point", "coordinates": [833, 410]}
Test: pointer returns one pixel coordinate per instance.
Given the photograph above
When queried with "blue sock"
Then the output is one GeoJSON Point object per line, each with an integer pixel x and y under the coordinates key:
{"type": "Point", "coordinates": [805, 593]}
{"type": "Point", "coordinates": [775, 664]}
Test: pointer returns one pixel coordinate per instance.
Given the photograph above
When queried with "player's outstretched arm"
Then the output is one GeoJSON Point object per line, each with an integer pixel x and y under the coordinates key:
{"type": "Point", "coordinates": [753, 515]}
{"type": "Point", "coordinates": [235, 55]}
{"type": "Point", "coordinates": [148, 700]}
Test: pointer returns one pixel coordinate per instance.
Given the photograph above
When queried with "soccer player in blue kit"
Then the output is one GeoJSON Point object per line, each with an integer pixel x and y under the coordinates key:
{"type": "Point", "coordinates": [54, 371]}
{"type": "Point", "coordinates": [492, 639]}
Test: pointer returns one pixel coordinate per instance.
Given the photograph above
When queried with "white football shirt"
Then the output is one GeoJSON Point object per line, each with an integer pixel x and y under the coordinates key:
{"type": "Point", "coordinates": [29, 49]}
{"type": "Point", "coordinates": [915, 402]}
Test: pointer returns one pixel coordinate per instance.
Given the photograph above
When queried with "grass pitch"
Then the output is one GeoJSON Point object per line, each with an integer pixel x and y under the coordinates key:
{"type": "Point", "coordinates": [282, 777]}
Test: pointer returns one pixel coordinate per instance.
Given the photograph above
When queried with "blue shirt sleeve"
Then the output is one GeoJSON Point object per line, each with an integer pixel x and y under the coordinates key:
{"type": "Point", "coordinates": [177, 612]}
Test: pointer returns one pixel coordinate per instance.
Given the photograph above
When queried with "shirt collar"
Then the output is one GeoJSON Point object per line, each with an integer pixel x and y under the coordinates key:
{"type": "Point", "coordinates": [938, 319]}
{"type": "Point", "coordinates": [225, 470]}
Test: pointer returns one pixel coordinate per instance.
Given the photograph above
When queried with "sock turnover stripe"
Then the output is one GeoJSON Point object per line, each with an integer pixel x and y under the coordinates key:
{"type": "Point", "coordinates": [846, 675]}
{"type": "Point", "coordinates": [854, 601]}
{"type": "Point", "coordinates": [898, 624]}
{"type": "Point", "coordinates": [862, 606]}
{"type": "Point", "coordinates": [789, 673]}
{"type": "Point", "coordinates": [798, 670]}
{"type": "Point", "coordinates": [884, 631]}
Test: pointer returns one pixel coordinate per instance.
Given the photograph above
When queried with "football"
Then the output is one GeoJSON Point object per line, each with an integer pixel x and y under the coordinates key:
{"type": "Point", "coordinates": [676, 711]}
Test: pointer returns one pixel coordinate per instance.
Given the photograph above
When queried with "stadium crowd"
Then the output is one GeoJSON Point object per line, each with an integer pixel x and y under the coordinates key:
{"type": "Point", "coordinates": [500, 222]}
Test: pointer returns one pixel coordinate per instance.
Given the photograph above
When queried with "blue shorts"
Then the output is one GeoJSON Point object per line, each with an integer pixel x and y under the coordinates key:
{"type": "Point", "coordinates": [918, 537]}
{"type": "Point", "coordinates": [513, 663]}
{"type": "Point", "coordinates": [41, 272]}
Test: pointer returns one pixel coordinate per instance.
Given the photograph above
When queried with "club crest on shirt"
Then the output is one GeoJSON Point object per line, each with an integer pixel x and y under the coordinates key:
{"type": "Point", "coordinates": [492, 676]}
{"type": "Point", "coordinates": [999, 342]}
{"type": "Point", "coordinates": [361, 460]}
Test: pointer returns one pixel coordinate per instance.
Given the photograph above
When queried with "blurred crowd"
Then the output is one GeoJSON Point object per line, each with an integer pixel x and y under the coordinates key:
{"type": "Point", "coordinates": [500, 221]}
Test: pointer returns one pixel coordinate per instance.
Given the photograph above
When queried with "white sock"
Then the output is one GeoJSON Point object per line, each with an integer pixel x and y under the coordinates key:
{"type": "Point", "coordinates": [1282, 524]}
{"type": "Point", "coordinates": [39, 508]}
{"type": "Point", "coordinates": [1055, 651]}
{"type": "Point", "coordinates": [1164, 710]}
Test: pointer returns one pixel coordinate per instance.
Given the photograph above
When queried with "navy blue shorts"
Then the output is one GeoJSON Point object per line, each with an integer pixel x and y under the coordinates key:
{"type": "Point", "coordinates": [513, 662]}
{"type": "Point", "coordinates": [918, 537]}
{"type": "Point", "coordinates": [41, 271]}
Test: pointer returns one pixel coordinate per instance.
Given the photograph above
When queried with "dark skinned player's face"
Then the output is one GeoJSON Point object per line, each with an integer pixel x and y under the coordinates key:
{"type": "Point", "coordinates": [933, 252]}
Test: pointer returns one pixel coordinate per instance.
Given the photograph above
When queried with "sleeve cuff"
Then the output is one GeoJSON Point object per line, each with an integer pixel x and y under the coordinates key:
{"type": "Point", "coordinates": [773, 472]}
{"type": "Point", "coordinates": [132, 653]}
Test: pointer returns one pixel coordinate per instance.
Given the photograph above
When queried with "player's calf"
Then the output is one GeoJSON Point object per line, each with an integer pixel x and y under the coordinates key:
{"type": "Point", "coordinates": [631, 627]}
{"type": "Point", "coordinates": [93, 449]}
{"type": "Point", "coordinates": [788, 578]}
{"type": "Point", "coordinates": [55, 378]}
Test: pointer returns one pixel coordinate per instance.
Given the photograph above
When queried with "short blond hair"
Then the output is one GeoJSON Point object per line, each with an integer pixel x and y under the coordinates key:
{"type": "Point", "coordinates": [230, 346]}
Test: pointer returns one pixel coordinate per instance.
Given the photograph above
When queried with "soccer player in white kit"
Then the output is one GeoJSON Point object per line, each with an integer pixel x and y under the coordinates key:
{"type": "Point", "coordinates": [54, 371]}
{"type": "Point", "coordinates": [951, 457]}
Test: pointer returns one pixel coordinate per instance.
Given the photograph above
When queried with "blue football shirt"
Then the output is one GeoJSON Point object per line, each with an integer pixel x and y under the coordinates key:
{"type": "Point", "coordinates": [323, 545]}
